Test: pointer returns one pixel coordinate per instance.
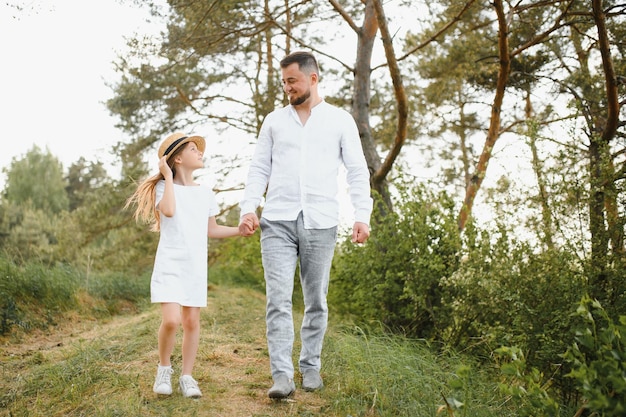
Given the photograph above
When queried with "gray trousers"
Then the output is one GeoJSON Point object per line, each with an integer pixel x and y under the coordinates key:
{"type": "Point", "coordinates": [283, 243]}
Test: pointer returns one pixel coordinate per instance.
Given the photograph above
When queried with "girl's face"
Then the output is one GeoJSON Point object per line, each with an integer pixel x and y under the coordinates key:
{"type": "Point", "coordinates": [191, 157]}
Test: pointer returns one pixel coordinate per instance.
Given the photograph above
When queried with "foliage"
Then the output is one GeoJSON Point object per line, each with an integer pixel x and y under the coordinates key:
{"type": "Point", "coordinates": [100, 236]}
{"type": "Point", "coordinates": [506, 293]}
{"type": "Point", "coordinates": [34, 295]}
{"type": "Point", "coordinates": [528, 388]}
{"type": "Point", "coordinates": [87, 231]}
{"type": "Point", "coordinates": [236, 261]}
{"type": "Point", "coordinates": [83, 177]}
{"type": "Point", "coordinates": [598, 359]}
{"type": "Point", "coordinates": [395, 278]}
{"type": "Point", "coordinates": [476, 292]}
{"type": "Point", "coordinates": [37, 179]}
{"type": "Point", "coordinates": [28, 233]}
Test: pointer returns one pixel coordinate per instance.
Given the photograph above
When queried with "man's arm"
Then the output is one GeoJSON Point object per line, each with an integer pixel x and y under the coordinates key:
{"type": "Point", "coordinates": [358, 176]}
{"type": "Point", "coordinates": [256, 182]}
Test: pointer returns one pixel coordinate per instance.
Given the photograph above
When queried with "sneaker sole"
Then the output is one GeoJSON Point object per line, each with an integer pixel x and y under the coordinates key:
{"type": "Point", "coordinates": [280, 395]}
{"type": "Point", "coordinates": [161, 393]}
{"type": "Point", "coordinates": [189, 396]}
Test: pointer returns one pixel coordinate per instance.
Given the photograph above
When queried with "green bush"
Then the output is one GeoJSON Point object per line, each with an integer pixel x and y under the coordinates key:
{"type": "Point", "coordinates": [506, 293]}
{"type": "Point", "coordinates": [36, 295]}
{"type": "Point", "coordinates": [236, 261]}
{"type": "Point", "coordinates": [598, 359]}
{"type": "Point", "coordinates": [477, 291]}
{"type": "Point", "coordinates": [31, 295]}
{"type": "Point", "coordinates": [395, 277]}
{"type": "Point", "coordinates": [528, 387]}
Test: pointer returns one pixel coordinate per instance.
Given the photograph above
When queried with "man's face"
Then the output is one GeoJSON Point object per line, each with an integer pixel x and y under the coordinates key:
{"type": "Point", "coordinates": [296, 84]}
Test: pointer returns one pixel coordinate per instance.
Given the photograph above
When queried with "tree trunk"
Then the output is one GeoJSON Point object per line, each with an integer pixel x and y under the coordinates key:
{"type": "Point", "coordinates": [366, 35]}
{"type": "Point", "coordinates": [604, 230]}
{"type": "Point", "coordinates": [378, 179]}
{"type": "Point", "coordinates": [494, 126]}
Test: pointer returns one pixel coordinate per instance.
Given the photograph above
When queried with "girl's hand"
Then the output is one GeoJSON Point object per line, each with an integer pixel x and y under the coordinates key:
{"type": "Point", "coordinates": [248, 224]}
{"type": "Point", "coordinates": [164, 168]}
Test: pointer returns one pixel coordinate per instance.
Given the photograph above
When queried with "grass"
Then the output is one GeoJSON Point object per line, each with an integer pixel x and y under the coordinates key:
{"type": "Point", "coordinates": [106, 368]}
{"type": "Point", "coordinates": [393, 376]}
{"type": "Point", "coordinates": [34, 296]}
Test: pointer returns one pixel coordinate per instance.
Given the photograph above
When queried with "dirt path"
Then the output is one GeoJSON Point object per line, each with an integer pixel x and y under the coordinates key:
{"type": "Point", "coordinates": [232, 366]}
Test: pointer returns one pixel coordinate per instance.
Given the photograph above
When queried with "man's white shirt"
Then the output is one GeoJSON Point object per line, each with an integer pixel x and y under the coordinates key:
{"type": "Point", "coordinates": [299, 165]}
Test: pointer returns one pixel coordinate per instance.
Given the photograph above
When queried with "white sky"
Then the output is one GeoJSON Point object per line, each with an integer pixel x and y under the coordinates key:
{"type": "Point", "coordinates": [57, 56]}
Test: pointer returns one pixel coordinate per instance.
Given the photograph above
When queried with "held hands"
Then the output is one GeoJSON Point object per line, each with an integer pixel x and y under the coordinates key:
{"type": "Point", "coordinates": [248, 224]}
{"type": "Point", "coordinates": [360, 232]}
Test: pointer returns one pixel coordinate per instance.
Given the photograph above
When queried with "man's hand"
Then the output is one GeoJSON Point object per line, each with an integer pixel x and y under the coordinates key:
{"type": "Point", "coordinates": [248, 224]}
{"type": "Point", "coordinates": [360, 232]}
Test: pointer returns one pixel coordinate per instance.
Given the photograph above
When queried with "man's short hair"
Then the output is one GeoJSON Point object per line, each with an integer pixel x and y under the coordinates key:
{"type": "Point", "coordinates": [305, 60]}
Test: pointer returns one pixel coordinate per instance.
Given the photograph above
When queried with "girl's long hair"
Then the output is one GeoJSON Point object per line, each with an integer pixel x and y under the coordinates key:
{"type": "Point", "coordinates": [145, 196]}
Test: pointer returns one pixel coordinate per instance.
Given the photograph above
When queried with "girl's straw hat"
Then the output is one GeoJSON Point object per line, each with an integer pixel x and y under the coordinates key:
{"type": "Point", "coordinates": [176, 140]}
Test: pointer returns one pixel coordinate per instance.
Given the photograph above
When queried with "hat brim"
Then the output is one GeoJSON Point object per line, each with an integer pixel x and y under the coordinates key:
{"type": "Point", "coordinates": [198, 140]}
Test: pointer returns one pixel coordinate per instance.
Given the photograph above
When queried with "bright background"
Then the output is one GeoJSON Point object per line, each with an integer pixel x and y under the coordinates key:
{"type": "Point", "coordinates": [57, 56]}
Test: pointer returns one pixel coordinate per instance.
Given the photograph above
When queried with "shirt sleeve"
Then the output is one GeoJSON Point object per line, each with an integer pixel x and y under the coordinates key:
{"type": "Point", "coordinates": [259, 171]}
{"type": "Point", "coordinates": [357, 171]}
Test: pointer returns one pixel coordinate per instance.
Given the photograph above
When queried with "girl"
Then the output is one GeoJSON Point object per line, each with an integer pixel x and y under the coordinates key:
{"type": "Point", "coordinates": [178, 207]}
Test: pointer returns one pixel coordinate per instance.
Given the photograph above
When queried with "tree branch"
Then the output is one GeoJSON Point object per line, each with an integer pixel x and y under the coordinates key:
{"type": "Point", "coordinates": [342, 12]}
{"type": "Point", "coordinates": [400, 93]}
{"type": "Point", "coordinates": [439, 32]}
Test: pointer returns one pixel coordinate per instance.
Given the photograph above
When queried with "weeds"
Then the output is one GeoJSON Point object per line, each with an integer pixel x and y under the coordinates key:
{"type": "Point", "coordinates": [375, 374]}
{"type": "Point", "coordinates": [36, 296]}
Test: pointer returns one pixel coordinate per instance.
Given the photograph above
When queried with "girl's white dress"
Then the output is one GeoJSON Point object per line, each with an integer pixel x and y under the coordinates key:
{"type": "Point", "coordinates": [180, 265]}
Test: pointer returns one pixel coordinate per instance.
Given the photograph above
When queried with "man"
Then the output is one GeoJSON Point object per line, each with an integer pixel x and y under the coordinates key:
{"type": "Point", "coordinates": [297, 159]}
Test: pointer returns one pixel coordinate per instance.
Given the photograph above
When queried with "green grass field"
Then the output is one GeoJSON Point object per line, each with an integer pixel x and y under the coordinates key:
{"type": "Point", "coordinates": [105, 367]}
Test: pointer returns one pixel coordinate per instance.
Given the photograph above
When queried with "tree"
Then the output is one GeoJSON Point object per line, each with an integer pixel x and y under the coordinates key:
{"type": "Point", "coordinates": [37, 178]}
{"type": "Point", "coordinates": [217, 65]}
{"type": "Point", "coordinates": [33, 200]}
{"type": "Point", "coordinates": [84, 177]}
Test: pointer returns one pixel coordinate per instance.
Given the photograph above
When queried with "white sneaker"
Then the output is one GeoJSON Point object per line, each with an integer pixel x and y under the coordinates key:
{"type": "Point", "coordinates": [163, 383]}
{"type": "Point", "coordinates": [189, 387]}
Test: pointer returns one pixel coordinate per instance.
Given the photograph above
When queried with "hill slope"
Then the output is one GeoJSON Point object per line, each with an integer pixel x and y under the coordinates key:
{"type": "Point", "coordinates": [96, 369]}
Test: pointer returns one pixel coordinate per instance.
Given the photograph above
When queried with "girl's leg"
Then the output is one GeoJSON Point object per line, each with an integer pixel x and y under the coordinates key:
{"type": "Point", "coordinates": [191, 337]}
{"type": "Point", "coordinates": [170, 320]}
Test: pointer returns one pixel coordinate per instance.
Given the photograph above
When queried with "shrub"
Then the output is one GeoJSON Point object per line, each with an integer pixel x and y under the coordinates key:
{"type": "Point", "coordinates": [395, 277]}
{"type": "Point", "coordinates": [33, 294]}
{"type": "Point", "coordinates": [506, 293]}
{"type": "Point", "coordinates": [236, 261]}
{"type": "Point", "coordinates": [598, 359]}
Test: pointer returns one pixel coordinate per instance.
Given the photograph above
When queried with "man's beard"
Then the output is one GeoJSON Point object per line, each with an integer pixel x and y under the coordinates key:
{"type": "Point", "coordinates": [296, 101]}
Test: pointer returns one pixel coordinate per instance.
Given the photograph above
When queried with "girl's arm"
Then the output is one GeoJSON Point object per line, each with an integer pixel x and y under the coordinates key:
{"type": "Point", "coordinates": [167, 205]}
{"type": "Point", "coordinates": [219, 231]}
